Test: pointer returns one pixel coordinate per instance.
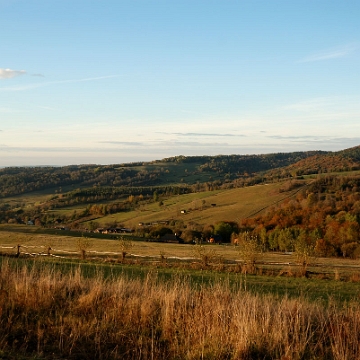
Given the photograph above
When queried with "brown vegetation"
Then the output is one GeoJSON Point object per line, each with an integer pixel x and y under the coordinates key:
{"type": "Point", "coordinates": [324, 218]}
{"type": "Point", "coordinates": [47, 314]}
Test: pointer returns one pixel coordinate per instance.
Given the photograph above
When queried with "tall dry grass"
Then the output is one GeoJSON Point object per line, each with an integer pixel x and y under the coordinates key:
{"type": "Point", "coordinates": [49, 315]}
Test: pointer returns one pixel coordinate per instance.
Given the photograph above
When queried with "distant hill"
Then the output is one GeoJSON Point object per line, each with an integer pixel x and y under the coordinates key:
{"type": "Point", "coordinates": [176, 170]}
{"type": "Point", "coordinates": [351, 153]}
{"type": "Point", "coordinates": [326, 162]}
{"type": "Point", "coordinates": [193, 194]}
{"type": "Point", "coordinates": [243, 164]}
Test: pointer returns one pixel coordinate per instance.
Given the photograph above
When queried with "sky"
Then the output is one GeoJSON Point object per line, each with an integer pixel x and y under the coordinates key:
{"type": "Point", "coordinates": [107, 82]}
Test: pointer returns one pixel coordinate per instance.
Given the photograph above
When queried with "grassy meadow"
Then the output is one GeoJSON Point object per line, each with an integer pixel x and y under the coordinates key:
{"type": "Point", "coordinates": [47, 313]}
{"type": "Point", "coordinates": [275, 273]}
{"type": "Point", "coordinates": [231, 205]}
{"type": "Point", "coordinates": [70, 295]}
{"type": "Point", "coordinates": [163, 302]}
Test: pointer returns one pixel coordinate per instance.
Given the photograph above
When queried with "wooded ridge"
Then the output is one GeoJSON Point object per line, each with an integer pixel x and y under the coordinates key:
{"type": "Point", "coordinates": [176, 170]}
{"type": "Point", "coordinates": [313, 201]}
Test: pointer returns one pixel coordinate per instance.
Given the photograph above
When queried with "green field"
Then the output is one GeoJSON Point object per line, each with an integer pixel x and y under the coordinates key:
{"type": "Point", "coordinates": [174, 307]}
{"type": "Point", "coordinates": [203, 208]}
{"type": "Point", "coordinates": [324, 291]}
{"type": "Point", "coordinates": [230, 205]}
{"type": "Point", "coordinates": [330, 278]}
{"type": "Point", "coordinates": [208, 207]}
{"type": "Point", "coordinates": [82, 310]}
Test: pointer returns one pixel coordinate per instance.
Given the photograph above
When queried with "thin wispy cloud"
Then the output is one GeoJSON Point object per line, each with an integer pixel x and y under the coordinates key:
{"type": "Point", "coordinates": [162, 143]}
{"type": "Point", "coordinates": [83, 80]}
{"type": "Point", "coordinates": [204, 134]}
{"type": "Point", "coordinates": [349, 141]}
{"type": "Point", "coordinates": [38, 75]}
{"type": "Point", "coordinates": [123, 143]}
{"type": "Point", "coordinates": [197, 144]}
{"type": "Point", "coordinates": [9, 74]}
{"type": "Point", "coordinates": [334, 53]}
{"type": "Point", "coordinates": [38, 85]}
{"type": "Point", "coordinates": [311, 104]}
{"type": "Point", "coordinates": [44, 149]}
{"type": "Point", "coordinates": [201, 134]}
{"type": "Point", "coordinates": [305, 137]}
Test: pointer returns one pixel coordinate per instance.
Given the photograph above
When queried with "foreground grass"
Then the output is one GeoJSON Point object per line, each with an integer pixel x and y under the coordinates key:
{"type": "Point", "coordinates": [323, 291]}
{"type": "Point", "coordinates": [46, 313]}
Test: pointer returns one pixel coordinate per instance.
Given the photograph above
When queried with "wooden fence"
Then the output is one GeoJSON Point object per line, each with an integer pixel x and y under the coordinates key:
{"type": "Point", "coordinates": [43, 250]}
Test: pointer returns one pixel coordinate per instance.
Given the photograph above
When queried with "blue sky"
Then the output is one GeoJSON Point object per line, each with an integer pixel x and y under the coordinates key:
{"type": "Point", "coordinates": [117, 81]}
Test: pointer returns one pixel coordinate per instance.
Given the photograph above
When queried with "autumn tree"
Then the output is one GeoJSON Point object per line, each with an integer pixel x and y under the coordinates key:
{"type": "Point", "coordinates": [225, 229]}
{"type": "Point", "coordinates": [304, 250]}
{"type": "Point", "coordinates": [250, 250]}
{"type": "Point", "coordinates": [125, 246]}
{"type": "Point", "coordinates": [204, 253]}
{"type": "Point", "coordinates": [83, 245]}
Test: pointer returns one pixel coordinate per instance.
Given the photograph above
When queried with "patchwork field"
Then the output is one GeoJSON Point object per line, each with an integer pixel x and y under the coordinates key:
{"type": "Point", "coordinates": [206, 207]}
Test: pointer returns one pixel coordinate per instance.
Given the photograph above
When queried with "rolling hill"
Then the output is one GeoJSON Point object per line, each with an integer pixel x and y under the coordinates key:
{"type": "Point", "coordinates": [169, 171]}
{"type": "Point", "coordinates": [207, 188]}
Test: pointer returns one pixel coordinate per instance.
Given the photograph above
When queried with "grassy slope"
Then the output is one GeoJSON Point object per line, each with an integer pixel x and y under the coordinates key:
{"type": "Point", "coordinates": [231, 205]}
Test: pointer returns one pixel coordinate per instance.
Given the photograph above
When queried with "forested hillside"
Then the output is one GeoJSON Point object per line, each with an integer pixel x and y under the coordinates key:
{"type": "Point", "coordinates": [318, 213]}
{"type": "Point", "coordinates": [243, 164]}
{"type": "Point", "coordinates": [325, 217]}
{"type": "Point", "coordinates": [26, 179]}
{"type": "Point", "coordinates": [173, 170]}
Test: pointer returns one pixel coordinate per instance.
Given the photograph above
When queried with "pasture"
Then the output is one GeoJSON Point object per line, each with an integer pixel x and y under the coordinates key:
{"type": "Point", "coordinates": [276, 273]}
{"type": "Point", "coordinates": [162, 302]}
{"type": "Point", "coordinates": [207, 207]}
{"type": "Point", "coordinates": [70, 310]}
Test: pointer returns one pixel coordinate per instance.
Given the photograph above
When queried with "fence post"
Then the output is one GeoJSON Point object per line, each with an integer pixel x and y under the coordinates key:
{"type": "Point", "coordinates": [18, 250]}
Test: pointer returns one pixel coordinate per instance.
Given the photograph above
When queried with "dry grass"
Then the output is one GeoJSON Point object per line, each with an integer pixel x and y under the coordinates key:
{"type": "Point", "coordinates": [47, 314]}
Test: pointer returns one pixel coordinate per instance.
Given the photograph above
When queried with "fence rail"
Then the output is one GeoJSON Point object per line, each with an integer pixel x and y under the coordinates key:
{"type": "Point", "coordinates": [50, 251]}
{"type": "Point", "coordinates": [56, 253]}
